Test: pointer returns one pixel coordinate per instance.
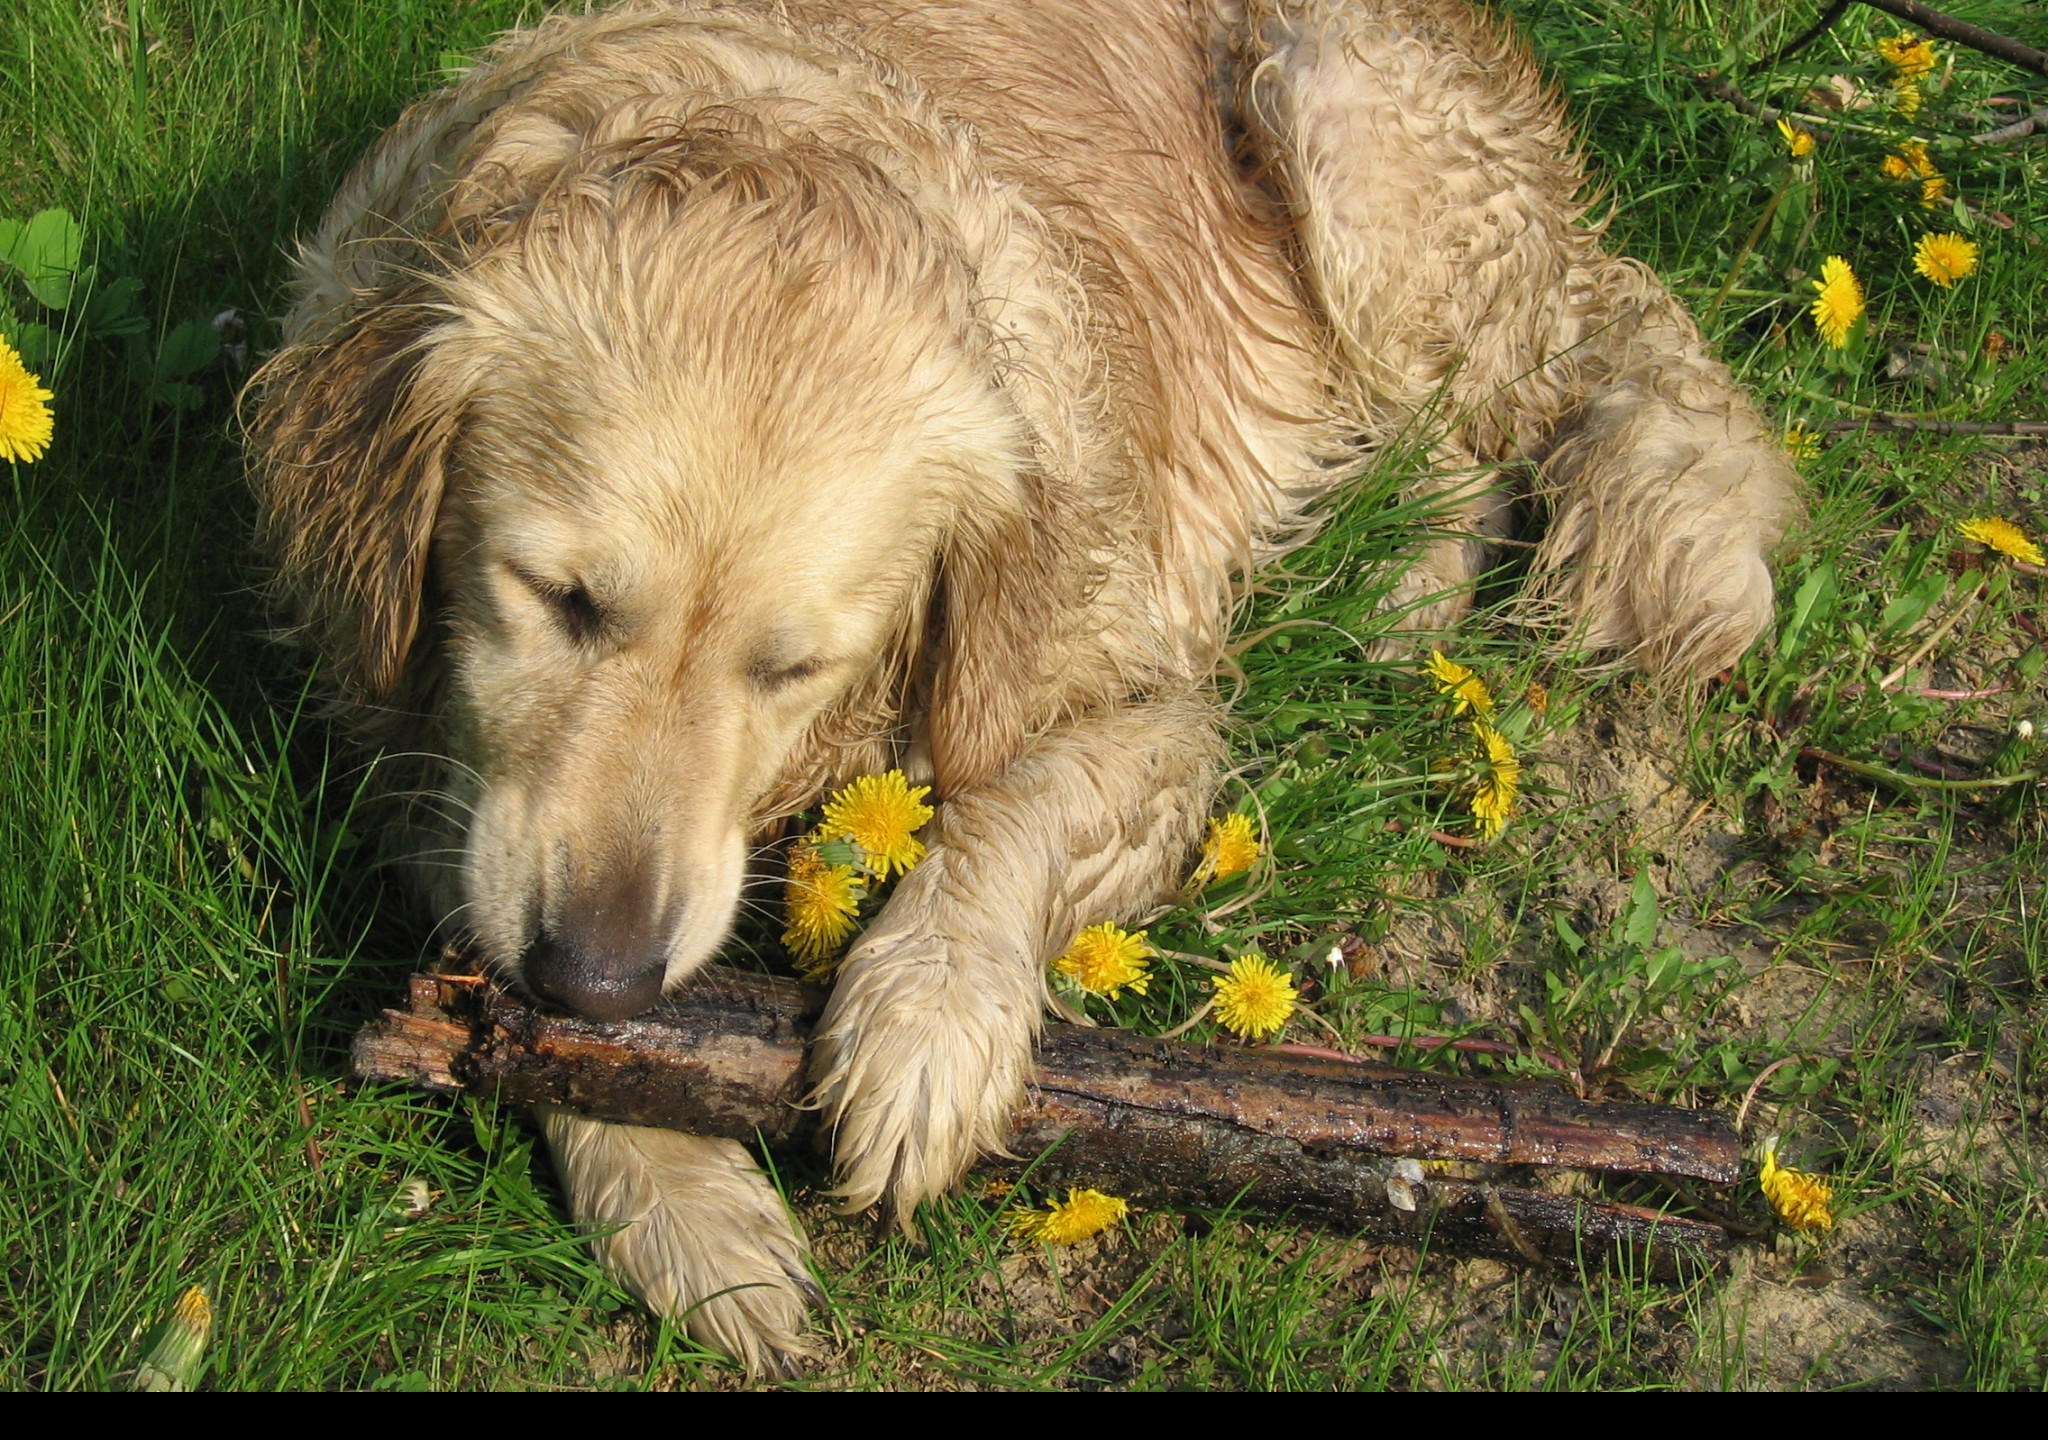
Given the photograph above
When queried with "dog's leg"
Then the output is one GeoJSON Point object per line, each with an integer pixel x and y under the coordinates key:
{"type": "Point", "coordinates": [1464, 513]}
{"type": "Point", "coordinates": [701, 1235]}
{"type": "Point", "coordinates": [925, 1049]}
{"type": "Point", "coordinates": [1441, 212]}
{"type": "Point", "coordinates": [1667, 492]}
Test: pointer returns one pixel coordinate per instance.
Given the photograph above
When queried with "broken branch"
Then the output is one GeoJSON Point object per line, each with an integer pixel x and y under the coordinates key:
{"type": "Point", "coordinates": [1935, 427]}
{"type": "Point", "coordinates": [1964, 33]}
{"type": "Point", "coordinates": [1162, 1122]}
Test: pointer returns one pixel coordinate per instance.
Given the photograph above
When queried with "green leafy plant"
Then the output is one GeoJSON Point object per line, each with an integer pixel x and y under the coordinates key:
{"type": "Point", "coordinates": [45, 256]}
{"type": "Point", "coordinates": [1600, 989]}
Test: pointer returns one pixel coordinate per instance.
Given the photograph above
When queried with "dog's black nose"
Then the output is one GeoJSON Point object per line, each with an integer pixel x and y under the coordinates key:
{"type": "Point", "coordinates": [593, 984]}
{"type": "Point", "coordinates": [604, 955]}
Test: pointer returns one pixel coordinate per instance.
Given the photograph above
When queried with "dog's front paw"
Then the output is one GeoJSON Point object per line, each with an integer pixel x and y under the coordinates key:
{"type": "Point", "coordinates": [922, 1057]}
{"type": "Point", "coordinates": [1431, 596]}
{"type": "Point", "coordinates": [705, 1239]}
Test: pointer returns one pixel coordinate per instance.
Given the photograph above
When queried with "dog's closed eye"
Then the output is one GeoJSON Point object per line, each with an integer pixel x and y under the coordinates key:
{"type": "Point", "coordinates": [772, 674]}
{"type": "Point", "coordinates": [574, 608]}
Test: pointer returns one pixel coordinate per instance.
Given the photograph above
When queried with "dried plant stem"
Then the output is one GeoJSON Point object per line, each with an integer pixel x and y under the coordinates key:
{"type": "Point", "coordinates": [1756, 234]}
{"type": "Point", "coordinates": [1914, 782]}
{"type": "Point", "coordinates": [1757, 1084]}
{"type": "Point", "coordinates": [1201, 1014]}
{"type": "Point", "coordinates": [1461, 842]}
{"type": "Point", "coordinates": [1939, 634]}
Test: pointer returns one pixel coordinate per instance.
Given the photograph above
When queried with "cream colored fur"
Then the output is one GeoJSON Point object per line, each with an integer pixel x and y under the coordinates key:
{"type": "Point", "coordinates": [701, 405]}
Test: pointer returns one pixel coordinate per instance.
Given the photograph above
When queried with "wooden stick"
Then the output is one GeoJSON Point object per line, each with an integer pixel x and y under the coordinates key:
{"type": "Point", "coordinates": [2019, 129]}
{"type": "Point", "coordinates": [1158, 1121]}
{"type": "Point", "coordinates": [1934, 427]}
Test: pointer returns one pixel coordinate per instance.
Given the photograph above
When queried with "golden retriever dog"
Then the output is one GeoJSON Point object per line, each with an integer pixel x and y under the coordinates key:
{"type": "Point", "coordinates": [703, 404]}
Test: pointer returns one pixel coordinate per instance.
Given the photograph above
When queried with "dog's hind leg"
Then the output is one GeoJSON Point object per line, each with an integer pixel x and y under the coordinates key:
{"type": "Point", "coordinates": [925, 1050]}
{"type": "Point", "coordinates": [694, 1229]}
{"type": "Point", "coordinates": [1440, 207]}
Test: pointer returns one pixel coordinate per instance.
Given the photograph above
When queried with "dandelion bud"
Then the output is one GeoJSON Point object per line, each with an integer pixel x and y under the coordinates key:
{"type": "Point", "coordinates": [173, 1362]}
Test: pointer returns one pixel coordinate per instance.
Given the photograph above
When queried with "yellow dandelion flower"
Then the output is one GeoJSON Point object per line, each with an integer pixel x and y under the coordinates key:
{"type": "Point", "coordinates": [26, 421]}
{"type": "Point", "coordinates": [1800, 141]}
{"type": "Point", "coordinates": [1458, 680]}
{"type": "Point", "coordinates": [1945, 259]}
{"type": "Point", "coordinates": [1913, 160]}
{"type": "Point", "coordinates": [879, 813]}
{"type": "Point", "coordinates": [1802, 443]}
{"type": "Point", "coordinates": [1081, 1214]}
{"type": "Point", "coordinates": [2004, 537]}
{"type": "Point", "coordinates": [1255, 998]}
{"type": "Point", "coordinates": [1538, 697]}
{"type": "Point", "coordinates": [1906, 96]}
{"type": "Point", "coordinates": [1911, 55]}
{"type": "Point", "coordinates": [1500, 780]}
{"type": "Point", "coordinates": [821, 904]}
{"type": "Point", "coordinates": [1800, 1199]}
{"type": "Point", "coordinates": [1839, 304]}
{"type": "Point", "coordinates": [1231, 849]}
{"type": "Point", "coordinates": [1106, 960]}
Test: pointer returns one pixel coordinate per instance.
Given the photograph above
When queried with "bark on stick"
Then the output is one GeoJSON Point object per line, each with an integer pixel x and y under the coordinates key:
{"type": "Point", "coordinates": [1160, 1122]}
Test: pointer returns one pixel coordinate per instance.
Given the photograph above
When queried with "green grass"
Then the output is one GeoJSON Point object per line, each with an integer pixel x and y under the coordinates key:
{"type": "Point", "coordinates": [190, 927]}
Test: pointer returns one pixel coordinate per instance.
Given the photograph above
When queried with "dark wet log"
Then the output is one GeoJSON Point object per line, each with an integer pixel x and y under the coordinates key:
{"type": "Point", "coordinates": [1174, 1160]}
{"type": "Point", "coordinates": [1379, 1110]}
{"type": "Point", "coordinates": [1161, 1122]}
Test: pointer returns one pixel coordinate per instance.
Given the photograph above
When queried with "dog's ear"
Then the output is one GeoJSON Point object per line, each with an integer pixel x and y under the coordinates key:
{"type": "Point", "coordinates": [1004, 603]}
{"type": "Point", "coordinates": [351, 441]}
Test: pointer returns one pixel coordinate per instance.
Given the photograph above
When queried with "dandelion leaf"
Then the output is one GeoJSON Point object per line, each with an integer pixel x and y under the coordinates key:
{"type": "Point", "coordinates": [44, 250]}
{"type": "Point", "coordinates": [1814, 602]}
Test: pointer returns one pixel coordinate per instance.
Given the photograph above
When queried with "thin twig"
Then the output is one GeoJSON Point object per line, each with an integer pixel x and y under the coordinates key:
{"type": "Point", "coordinates": [1935, 427]}
{"type": "Point", "coordinates": [1926, 693]}
{"type": "Point", "coordinates": [2020, 129]}
{"type": "Point", "coordinates": [1819, 28]}
{"type": "Point", "coordinates": [1964, 33]}
{"type": "Point", "coordinates": [1935, 23]}
{"type": "Point", "coordinates": [1721, 89]}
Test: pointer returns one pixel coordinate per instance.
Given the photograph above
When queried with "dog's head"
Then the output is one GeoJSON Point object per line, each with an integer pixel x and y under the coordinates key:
{"type": "Point", "coordinates": [655, 467]}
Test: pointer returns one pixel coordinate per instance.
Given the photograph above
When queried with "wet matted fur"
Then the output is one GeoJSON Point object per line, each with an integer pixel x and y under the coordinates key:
{"type": "Point", "coordinates": [700, 405]}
